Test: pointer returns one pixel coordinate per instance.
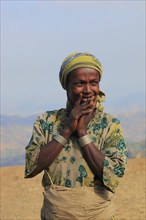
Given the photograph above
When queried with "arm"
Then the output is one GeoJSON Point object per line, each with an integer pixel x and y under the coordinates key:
{"type": "Point", "coordinates": [109, 163]}
{"type": "Point", "coordinates": [93, 156]}
{"type": "Point", "coordinates": [48, 153]}
{"type": "Point", "coordinates": [40, 153]}
{"type": "Point", "coordinates": [46, 156]}
{"type": "Point", "coordinates": [94, 159]}
{"type": "Point", "coordinates": [116, 155]}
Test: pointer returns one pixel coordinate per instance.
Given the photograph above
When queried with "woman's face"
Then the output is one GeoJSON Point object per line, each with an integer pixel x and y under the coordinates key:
{"type": "Point", "coordinates": [84, 81]}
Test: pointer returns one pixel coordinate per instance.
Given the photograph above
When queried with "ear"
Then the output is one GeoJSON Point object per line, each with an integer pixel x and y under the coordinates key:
{"type": "Point", "coordinates": [67, 103]}
{"type": "Point", "coordinates": [67, 94]}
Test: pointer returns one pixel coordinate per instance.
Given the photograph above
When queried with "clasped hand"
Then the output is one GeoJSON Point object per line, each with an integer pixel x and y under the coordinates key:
{"type": "Point", "coordinates": [80, 115]}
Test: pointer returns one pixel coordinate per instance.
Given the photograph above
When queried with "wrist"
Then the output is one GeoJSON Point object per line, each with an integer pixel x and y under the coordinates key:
{"type": "Point", "coordinates": [84, 140]}
{"type": "Point", "coordinates": [66, 133]}
{"type": "Point", "coordinates": [81, 133]}
{"type": "Point", "coordinates": [60, 139]}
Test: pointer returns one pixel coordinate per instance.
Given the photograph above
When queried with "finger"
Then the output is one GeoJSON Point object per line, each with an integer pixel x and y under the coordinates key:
{"type": "Point", "coordinates": [92, 98]}
{"type": "Point", "coordinates": [86, 106]}
{"type": "Point", "coordinates": [78, 102]}
{"type": "Point", "coordinates": [74, 114]}
{"type": "Point", "coordinates": [91, 104]}
{"type": "Point", "coordinates": [84, 112]}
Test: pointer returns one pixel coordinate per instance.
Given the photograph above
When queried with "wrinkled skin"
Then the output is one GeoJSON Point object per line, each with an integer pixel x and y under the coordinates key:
{"type": "Point", "coordinates": [82, 92]}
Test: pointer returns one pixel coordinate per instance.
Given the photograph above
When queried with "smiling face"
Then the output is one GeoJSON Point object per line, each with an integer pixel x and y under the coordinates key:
{"type": "Point", "coordinates": [84, 81]}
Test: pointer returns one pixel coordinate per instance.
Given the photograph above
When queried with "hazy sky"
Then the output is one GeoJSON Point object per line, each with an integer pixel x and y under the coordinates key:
{"type": "Point", "coordinates": [37, 35]}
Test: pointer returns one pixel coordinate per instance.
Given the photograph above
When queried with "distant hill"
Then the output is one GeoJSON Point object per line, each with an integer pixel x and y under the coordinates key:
{"type": "Point", "coordinates": [16, 132]}
{"type": "Point", "coordinates": [133, 123]}
{"type": "Point", "coordinates": [7, 121]}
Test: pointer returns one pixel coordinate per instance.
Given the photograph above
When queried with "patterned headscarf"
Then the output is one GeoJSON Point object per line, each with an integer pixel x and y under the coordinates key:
{"type": "Point", "coordinates": [77, 60]}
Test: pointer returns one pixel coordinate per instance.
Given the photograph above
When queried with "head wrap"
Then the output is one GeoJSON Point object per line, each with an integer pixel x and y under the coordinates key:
{"type": "Point", "coordinates": [77, 60]}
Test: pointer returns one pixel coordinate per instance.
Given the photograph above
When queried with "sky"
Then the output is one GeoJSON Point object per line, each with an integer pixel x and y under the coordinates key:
{"type": "Point", "coordinates": [36, 36]}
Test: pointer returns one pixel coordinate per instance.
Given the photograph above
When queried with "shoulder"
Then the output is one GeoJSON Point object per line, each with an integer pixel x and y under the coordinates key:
{"type": "Point", "coordinates": [113, 124]}
{"type": "Point", "coordinates": [50, 115]}
{"type": "Point", "coordinates": [106, 119]}
{"type": "Point", "coordinates": [111, 118]}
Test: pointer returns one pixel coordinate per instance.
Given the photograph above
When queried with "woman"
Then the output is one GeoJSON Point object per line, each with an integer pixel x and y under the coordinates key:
{"type": "Point", "coordinates": [80, 148]}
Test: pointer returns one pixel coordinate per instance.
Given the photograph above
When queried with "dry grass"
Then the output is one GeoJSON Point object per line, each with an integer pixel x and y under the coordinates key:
{"type": "Point", "coordinates": [21, 199]}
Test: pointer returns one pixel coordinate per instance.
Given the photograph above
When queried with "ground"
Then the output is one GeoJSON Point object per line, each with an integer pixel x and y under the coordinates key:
{"type": "Point", "coordinates": [21, 199]}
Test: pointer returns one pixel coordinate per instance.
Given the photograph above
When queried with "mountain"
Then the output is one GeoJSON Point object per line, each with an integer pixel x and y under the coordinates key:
{"type": "Point", "coordinates": [6, 120]}
{"type": "Point", "coordinates": [133, 123]}
{"type": "Point", "coordinates": [16, 133]}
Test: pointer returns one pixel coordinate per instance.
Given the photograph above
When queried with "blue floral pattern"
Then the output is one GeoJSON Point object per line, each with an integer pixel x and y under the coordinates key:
{"type": "Point", "coordinates": [70, 168]}
{"type": "Point", "coordinates": [121, 145]}
{"type": "Point", "coordinates": [73, 159]}
{"type": "Point", "coordinates": [83, 174]}
{"type": "Point", "coordinates": [68, 183]}
{"type": "Point", "coordinates": [67, 148]}
{"type": "Point", "coordinates": [115, 120]}
{"type": "Point", "coordinates": [46, 126]}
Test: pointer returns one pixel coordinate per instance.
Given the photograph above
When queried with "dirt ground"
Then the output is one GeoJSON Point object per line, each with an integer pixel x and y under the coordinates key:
{"type": "Point", "coordinates": [21, 199]}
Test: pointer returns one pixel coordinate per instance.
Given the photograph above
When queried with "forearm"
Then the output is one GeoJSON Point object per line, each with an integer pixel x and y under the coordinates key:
{"type": "Point", "coordinates": [92, 155]}
{"type": "Point", "coordinates": [49, 153]}
{"type": "Point", "coordinates": [94, 159]}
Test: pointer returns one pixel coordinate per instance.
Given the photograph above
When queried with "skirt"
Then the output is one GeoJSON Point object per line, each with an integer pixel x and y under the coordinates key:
{"type": "Point", "coordinates": [83, 203]}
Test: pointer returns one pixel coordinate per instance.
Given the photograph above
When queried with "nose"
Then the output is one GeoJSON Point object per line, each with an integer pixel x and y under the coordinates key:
{"type": "Point", "coordinates": [87, 88]}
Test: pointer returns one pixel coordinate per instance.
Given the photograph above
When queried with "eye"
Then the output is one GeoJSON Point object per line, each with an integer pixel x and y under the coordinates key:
{"type": "Point", "coordinates": [95, 83]}
{"type": "Point", "coordinates": [78, 83]}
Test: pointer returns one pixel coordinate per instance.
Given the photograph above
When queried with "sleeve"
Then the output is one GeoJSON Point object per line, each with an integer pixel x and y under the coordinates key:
{"type": "Point", "coordinates": [115, 156]}
{"type": "Point", "coordinates": [37, 141]}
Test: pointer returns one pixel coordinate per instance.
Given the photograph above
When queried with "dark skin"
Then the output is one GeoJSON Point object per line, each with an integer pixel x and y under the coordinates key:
{"type": "Point", "coordinates": [82, 92]}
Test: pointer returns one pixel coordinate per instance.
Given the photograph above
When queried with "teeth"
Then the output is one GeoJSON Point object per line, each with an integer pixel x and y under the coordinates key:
{"type": "Point", "coordinates": [85, 99]}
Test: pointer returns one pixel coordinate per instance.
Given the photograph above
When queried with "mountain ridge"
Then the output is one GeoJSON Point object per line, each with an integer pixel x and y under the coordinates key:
{"type": "Point", "coordinates": [16, 133]}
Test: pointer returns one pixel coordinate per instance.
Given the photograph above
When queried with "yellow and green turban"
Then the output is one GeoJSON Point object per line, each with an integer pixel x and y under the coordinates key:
{"type": "Point", "coordinates": [77, 60]}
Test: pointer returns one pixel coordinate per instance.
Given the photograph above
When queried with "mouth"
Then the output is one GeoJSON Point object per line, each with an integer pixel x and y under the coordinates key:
{"type": "Point", "coordinates": [85, 99]}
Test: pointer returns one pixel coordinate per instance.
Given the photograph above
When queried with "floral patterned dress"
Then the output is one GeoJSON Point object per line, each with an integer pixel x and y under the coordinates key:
{"type": "Point", "coordinates": [70, 169]}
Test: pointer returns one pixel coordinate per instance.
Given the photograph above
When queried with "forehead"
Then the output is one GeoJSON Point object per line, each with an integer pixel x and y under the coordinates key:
{"type": "Point", "coordinates": [84, 73]}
